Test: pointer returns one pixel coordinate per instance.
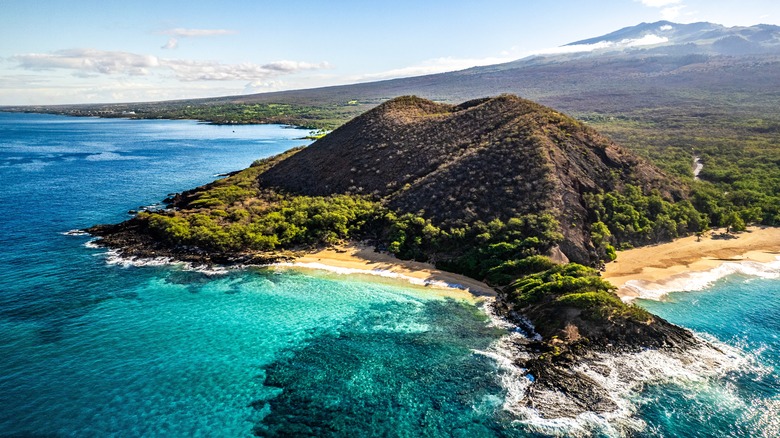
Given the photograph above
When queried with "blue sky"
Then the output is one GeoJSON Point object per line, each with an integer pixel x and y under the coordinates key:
{"type": "Point", "coordinates": [97, 51]}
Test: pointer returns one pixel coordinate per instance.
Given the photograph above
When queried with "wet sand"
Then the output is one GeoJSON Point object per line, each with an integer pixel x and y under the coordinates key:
{"type": "Point", "coordinates": [661, 267]}
{"type": "Point", "coordinates": [361, 259]}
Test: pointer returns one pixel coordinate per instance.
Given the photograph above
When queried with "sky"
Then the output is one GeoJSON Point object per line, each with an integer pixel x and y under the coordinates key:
{"type": "Point", "coordinates": [59, 51]}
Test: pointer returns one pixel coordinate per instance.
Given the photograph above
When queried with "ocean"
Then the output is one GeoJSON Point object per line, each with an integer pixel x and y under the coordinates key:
{"type": "Point", "coordinates": [93, 345]}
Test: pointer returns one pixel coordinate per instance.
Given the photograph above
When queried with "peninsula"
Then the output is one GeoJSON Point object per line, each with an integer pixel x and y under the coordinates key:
{"type": "Point", "coordinates": [502, 190]}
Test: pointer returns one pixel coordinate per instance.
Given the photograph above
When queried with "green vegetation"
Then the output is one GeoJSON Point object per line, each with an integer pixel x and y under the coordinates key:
{"type": "Point", "coordinates": [234, 215]}
{"type": "Point", "coordinates": [633, 218]}
{"type": "Point", "coordinates": [312, 117]}
{"type": "Point", "coordinates": [739, 183]}
{"type": "Point", "coordinates": [499, 252]}
{"type": "Point", "coordinates": [259, 226]}
{"type": "Point", "coordinates": [573, 286]}
{"type": "Point", "coordinates": [316, 116]}
{"type": "Point", "coordinates": [317, 134]}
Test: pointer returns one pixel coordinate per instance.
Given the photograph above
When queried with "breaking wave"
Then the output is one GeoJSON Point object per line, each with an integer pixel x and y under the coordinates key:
{"type": "Point", "coordinates": [376, 272]}
{"type": "Point", "coordinates": [693, 281]}
{"type": "Point", "coordinates": [622, 375]}
{"type": "Point", "coordinates": [114, 257]}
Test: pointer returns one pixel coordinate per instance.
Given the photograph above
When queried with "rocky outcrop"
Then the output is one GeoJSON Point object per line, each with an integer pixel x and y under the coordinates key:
{"type": "Point", "coordinates": [132, 239]}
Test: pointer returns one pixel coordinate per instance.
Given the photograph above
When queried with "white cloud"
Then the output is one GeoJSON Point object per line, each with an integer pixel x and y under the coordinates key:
{"type": "Point", "coordinates": [431, 66]}
{"type": "Point", "coordinates": [90, 61]}
{"type": "Point", "coordinates": [668, 11]}
{"type": "Point", "coordinates": [186, 70]}
{"type": "Point", "coordinates": [293, 66]}
{"type": "Point", "coordinates": [647, 40]}
{"type": "Point", "coordinates": [659, 3]}
{"type": "Point", "coordinates": [665, 27]}
{"type": "Point", "coordinates": [171, 44]}
{"type": "Point", "coordinates": [182, 33]}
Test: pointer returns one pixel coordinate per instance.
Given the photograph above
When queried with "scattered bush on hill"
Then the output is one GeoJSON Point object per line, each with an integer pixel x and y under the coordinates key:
{"type": "Point", "coordinates": [573, 286]}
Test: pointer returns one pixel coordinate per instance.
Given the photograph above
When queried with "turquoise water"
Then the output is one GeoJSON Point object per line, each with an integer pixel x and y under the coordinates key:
{"type": "Point", "coordinates": [90, 348]}
{"type": "Point", "coordinates": [741, 312]}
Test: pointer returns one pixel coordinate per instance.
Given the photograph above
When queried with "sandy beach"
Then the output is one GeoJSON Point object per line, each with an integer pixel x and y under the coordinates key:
{"type": "Point", "coordinates": [650, 272]}
{"type": "Point", "coordinates": [361, 259]}
{"type": "Point", "coordinates": [687, 264]}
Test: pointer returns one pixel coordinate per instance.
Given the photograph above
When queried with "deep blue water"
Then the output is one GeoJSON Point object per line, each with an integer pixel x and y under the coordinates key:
{"type": "Point", "coordinates": [89, 348]}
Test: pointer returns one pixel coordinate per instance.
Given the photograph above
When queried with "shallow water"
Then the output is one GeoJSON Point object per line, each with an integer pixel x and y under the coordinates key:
{"type": "Point", "coordinates": [89, 348]}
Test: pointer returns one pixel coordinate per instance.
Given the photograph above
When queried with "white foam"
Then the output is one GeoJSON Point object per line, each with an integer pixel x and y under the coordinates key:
{"type": "Point", "coordinates": [92, 244]}
{"type": "Point", "coordinates": [700, 280]}
{"type": "Point", "coordinates": [376, 272]}
{"type": "Point", "coordinates": [506, 352]}
{"type": "Point", "coordinates": [622, 376]}
{"type": "Point", "coordinates": [75, 233]}
{"type": "Point", "coordinates": [113, 257]}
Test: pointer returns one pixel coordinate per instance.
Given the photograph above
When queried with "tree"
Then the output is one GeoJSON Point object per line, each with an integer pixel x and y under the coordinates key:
{"type": "Point", "coordinates": [734, 222]}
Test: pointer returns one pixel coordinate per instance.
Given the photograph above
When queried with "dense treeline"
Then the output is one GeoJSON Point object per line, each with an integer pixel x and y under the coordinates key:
{"type": "Point", "coordinates": [632, 218]}
{"type": "Point", "coordinates": [495, 251]}
{"type": "Point", "coordinates": [285, 224]}
{"type": "Point", "coordinates": [228, 218]}
{"type": "Point", "coordinates": [739, 182]}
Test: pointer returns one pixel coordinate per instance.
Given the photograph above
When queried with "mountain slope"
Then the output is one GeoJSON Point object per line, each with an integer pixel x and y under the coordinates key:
{"type": "Point", "coordinates": [487, 159]}
{"type": "Point", "coordinates": [699, 37]}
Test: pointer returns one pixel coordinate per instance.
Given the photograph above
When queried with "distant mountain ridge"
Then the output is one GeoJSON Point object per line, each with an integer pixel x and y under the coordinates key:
{"type": "Point", "coordinates": [701, 37]}
{"type": "Point", "coordinates": [698, 59]}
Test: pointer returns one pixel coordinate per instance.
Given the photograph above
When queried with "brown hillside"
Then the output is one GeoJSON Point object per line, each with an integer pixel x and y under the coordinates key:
{"type": "Point", "coordinates": [490, 158]}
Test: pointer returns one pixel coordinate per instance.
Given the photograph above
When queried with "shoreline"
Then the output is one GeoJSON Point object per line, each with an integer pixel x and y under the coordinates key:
{"type": "Point", "coordinates": [358, 259]}
{"type": "Point", "coordinates": [127, 247]}
{"type": "Point", "coordinates": [686, 264]}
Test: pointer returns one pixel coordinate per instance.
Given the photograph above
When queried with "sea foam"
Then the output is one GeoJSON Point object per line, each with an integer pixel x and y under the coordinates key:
{"type": "Point", "coordinates": [114, 257]}
{"type": "Point", "coordinates": [376, 272]}
{"type": "Point", "coordinates": [75, 232]}
{"type": "Point", "coordinates": [693, 281]}
{"type": "Point", "coordinates": [621, 375]}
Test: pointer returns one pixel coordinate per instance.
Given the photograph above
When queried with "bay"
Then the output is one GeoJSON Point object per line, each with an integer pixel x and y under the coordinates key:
{"type": "Point", "coordinates": [93, 349]}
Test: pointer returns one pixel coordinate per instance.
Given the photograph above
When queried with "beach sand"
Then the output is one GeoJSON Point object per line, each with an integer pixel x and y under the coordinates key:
{"type": "Point", "coordinates": [650, 271]}
{"type": "Point", "coordinates": [362, 259]}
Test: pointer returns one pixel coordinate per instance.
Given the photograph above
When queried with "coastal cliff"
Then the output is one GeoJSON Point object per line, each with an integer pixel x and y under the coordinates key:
{"type": "Point", "coordinates": [500, 189]}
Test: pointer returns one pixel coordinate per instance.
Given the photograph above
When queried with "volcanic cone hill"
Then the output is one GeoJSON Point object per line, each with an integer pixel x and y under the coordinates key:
{"type": "Point", "coordinates": [493, 158]}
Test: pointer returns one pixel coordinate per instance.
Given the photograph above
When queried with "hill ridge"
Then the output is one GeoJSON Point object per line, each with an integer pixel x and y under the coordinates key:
{"type": "Point", "coordinates": [482, 160]}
